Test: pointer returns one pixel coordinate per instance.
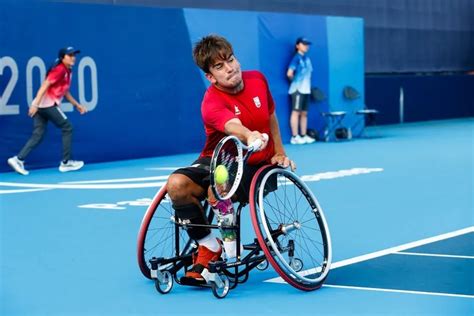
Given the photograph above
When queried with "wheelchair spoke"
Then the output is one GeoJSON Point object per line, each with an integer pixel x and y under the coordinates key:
{"type": "Point", "coordinates": [157, 236]}
{"type": "Point", "coordinates": [156, 231]}
{"type": "Point", "coordinates": [314, 243]}
{"type": "Point", "coordinates": [161, 217]}
{"type": "Point", "coordinates": [287, 199]}
{"type": "Point", "coordinates": [306, 221]}
{"type": "Point", "coordinates": [312, 228]}
{"type": "Point", "coordinates": [170, 235]}
{"type": "Point", "coordinates": [308, 250]}
{"type": "Point", "coordinates": [308, 209]}
{"type": "Point", "coordinates": [276, 212]}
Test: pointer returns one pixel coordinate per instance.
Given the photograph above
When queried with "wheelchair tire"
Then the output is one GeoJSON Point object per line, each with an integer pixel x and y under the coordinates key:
{"type": "Point", "coordinates": [156, 237]}
{"type": "Point", "coordinates": [290, 225]}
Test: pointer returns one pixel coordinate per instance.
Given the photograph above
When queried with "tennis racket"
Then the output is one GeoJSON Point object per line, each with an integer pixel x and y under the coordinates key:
{"type": "Point", "coordinates": [229, 158]}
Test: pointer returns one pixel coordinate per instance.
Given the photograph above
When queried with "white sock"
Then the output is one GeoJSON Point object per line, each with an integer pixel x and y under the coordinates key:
{"type": "Point", "coordinates": [210, 242]}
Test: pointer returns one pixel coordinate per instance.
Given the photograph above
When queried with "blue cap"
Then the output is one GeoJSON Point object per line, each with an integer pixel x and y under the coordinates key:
{"type": "Point", "coordinates": [68, 51]}
{"type": "Point", "coordinates": [303, 40]}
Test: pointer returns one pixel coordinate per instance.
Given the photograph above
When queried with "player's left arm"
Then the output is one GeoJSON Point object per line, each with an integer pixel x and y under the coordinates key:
{"type": "Point", "coordinates": [280, 158]}
{"type": "Point", "coordinates": [70, 98]}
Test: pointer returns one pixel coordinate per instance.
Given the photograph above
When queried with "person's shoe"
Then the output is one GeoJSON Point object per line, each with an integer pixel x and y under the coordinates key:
{"type": "Point", "coordinates": [17, 165]}
{"type": "Point", "coordinates": [71, 165]}
{"type": "Point", "coordinates": [201, 261]}
{"type": "Point", "coordinates": [297, 140]}
{"type": "Point", "coordinates": [307, 139]}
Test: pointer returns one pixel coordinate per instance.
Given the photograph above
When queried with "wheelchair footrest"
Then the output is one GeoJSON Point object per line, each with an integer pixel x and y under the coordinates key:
{"type": "Point", "coordinates": [192, 281]}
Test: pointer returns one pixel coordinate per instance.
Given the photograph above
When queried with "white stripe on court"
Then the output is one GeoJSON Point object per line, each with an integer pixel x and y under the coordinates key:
{"type": "Point", "coordinates": [397, 291]}
{"type": "Point", "coordinates": [21, 191]}
{"type": "Point", "coordinates": [164, 168]}
{"type": "Point", "coordinates": [388, 251]}
{"type": "Point", "coordinates": [307, 178]}
{"type": "Point", "coordinates": [432, 255]}
{"type": "Point", "coordinates": [84, 186]}
{"type": "Point", "coordinates": [115, 183]}
{"type": "Point", "coordinates": [119, 180]}
{"type": "Point", "coordinates": [338, 174]}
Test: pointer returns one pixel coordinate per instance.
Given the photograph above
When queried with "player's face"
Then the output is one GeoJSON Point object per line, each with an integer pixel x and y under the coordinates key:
{"type": "Point", "coordinates": [302, 48]}
{"type": "Point", "coordinates": [226, 74]}
{"type": "Point", "coordinates": [69, 60]}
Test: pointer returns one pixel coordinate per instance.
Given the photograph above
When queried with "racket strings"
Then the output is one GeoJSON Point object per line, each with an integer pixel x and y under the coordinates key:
{"type": "Point", "coordinates": [228, 157]}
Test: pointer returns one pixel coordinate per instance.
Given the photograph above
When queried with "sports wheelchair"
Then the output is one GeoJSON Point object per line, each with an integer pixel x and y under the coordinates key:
{"type": "Point", "coordinates": [291, 234]}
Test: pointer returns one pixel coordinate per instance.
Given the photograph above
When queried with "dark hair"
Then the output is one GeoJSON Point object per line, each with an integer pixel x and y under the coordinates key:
{"type": "Point", "coordinates": [56, 62]}
{"type": "Point", "coordinates": [209, 49]}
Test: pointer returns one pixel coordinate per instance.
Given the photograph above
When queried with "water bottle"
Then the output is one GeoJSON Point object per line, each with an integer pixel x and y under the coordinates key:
{"type": "Point", "coordinates": [225, 217]}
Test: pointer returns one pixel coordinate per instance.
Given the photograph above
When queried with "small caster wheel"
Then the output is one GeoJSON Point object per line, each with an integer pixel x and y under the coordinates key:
{"type": "Point", "coordinates": [296, 264]}
{"type": "Point", "coordinates": [164, 285]}
{"type": "Point", "coordinates": [223, 290]}
{"type": "Point", "coordinates": [262, 265]}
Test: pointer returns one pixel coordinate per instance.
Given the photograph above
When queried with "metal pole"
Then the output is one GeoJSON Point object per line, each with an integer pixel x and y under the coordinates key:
{"type": "Point", "coordinates": [402, 106]}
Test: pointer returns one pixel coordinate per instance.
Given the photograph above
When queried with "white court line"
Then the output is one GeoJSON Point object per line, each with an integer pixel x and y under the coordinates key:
{"type": "Point", "coordinates": [164, 168]}
{"type": "Point", "coordinates": [21, 191]}
{"type": "Point", "coordinates": [115, 183]}
{"type": "Point", "coordinates": [397, 291]}
{"type": "Point", "coordinates": [119, 180]}
{"type": "Point", "coordinates": [432, 255]}
{"type": "Point", "coordinates": [84, 186]}
{"type": "Point", "coordinates": [388, 251]}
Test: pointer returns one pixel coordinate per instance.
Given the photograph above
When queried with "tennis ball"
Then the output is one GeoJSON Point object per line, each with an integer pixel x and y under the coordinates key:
{"type": "Point", "coordinates": [220, 174]}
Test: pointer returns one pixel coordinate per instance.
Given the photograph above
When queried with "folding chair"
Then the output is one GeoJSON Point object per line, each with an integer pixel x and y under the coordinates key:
{"type": "Point", "coordinates": [333, 122]}
{"type": "Point", "coordinates": [332, 119]}
{"type": "Point", "coordinates": [367, 116]}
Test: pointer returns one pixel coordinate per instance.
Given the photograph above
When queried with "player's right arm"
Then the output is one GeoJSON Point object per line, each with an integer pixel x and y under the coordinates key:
{"type": "Point", "coordinates": [235, 127]}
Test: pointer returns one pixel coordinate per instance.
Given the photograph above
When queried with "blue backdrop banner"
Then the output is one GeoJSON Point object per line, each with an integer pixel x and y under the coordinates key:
{"type": "Point", "coordinates": [136, 74]}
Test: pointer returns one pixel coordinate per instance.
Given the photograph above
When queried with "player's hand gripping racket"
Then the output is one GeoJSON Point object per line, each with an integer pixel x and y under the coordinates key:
{"type": "Point", "coordinates": [227, 165]}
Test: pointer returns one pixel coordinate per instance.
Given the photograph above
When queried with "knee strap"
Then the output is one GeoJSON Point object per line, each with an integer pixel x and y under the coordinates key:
{"type": "Point", "coordinates": [193, 214]}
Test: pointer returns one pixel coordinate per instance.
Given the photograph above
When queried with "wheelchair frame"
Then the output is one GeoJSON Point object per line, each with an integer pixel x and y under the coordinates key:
{"type": "Point", "coordinates": [223, 276]}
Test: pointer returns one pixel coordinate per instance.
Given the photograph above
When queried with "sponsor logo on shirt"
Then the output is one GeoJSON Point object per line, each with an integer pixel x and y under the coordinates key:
{"type": "Point", "coordinates": [256, 100]}
{"type": "Point", "coordinates": [237, 111]}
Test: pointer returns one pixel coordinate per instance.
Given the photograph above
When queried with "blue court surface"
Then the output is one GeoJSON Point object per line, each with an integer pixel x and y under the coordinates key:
{"type": "Point", "coordinates": [399, 208]}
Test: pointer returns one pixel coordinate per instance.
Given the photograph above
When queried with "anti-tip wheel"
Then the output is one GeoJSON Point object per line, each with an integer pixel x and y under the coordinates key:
{"type": "Point", "coordinates": [221, 292]}
{"type": "Point", "coordinates": [166, 284]}
{"type": "Point", "coordinates": [262, 266]}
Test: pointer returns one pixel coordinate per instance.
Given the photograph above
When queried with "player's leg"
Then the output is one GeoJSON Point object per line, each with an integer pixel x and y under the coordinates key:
{"type": "Point", "coordinates": [186, 188]}
{"type": "Point", "coordinates": [304, 104]}
{"type": "Point", "coordinates": [295, 118]}
{"type": "Point", "coordinates": [60, 120]}
{"type": "Point", "coordinates": [39, 129]}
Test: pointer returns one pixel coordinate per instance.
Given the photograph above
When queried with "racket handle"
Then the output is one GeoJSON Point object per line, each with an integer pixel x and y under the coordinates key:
{"type": "Point", "coordinates": [255, 146]}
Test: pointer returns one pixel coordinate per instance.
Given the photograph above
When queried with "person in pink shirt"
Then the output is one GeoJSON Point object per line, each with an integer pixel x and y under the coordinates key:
{"type": "Point", "coordinates": [45, 108]}
{"type": "Point", "coordinates": [237, 103]}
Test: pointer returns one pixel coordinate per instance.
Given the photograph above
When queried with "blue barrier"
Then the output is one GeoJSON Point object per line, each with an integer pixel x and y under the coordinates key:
{"type": "Point", "coordinates": [137, 76]}
{"type": "Point", "coordinates": [429, 97]}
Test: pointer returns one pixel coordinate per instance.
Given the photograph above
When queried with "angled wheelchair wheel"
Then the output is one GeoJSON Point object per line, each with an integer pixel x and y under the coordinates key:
{"type": "Point", "coordinates": [157, 234]}
{"type": "Point", "coordinates": [290, 227]}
